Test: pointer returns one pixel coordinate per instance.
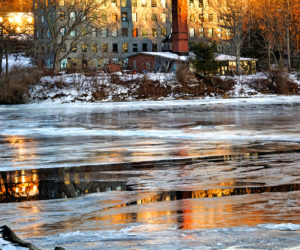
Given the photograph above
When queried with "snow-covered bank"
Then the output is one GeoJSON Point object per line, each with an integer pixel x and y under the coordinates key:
{"type": "Point", "coordinates": [77, 87]}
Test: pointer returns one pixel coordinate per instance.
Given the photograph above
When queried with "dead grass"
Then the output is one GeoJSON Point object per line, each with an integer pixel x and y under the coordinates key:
{"type": "Point", "coordinates": [14, 87]}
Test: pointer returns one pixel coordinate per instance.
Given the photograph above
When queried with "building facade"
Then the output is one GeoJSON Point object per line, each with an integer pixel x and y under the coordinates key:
{"type": "Point", "coordinates": [127, 27]}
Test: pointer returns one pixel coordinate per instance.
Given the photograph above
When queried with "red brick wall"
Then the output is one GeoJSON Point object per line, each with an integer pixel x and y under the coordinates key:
{"type": "Point", "coordinates": [141, 62]}
{"type": "Point", "coordinates": [180, 39]}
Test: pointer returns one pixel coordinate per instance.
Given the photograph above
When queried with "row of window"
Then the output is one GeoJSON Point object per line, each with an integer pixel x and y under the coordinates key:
{"type": "Point", "coordinates": [104, 47]}
{"type": "Point", "coordinates": [104, 32]}
{"type": "Point", "coordinates": [208, 32]}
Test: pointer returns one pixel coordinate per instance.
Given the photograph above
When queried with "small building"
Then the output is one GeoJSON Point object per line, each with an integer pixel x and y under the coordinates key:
{"type": "Point", "coordinates": [155, 61]}
{"type": "Point", "coordinates": [228, 64]}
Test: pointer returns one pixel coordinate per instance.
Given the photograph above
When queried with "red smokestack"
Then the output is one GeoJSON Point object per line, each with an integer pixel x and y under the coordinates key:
{"type": "Point", "coordinates": [180, 38]}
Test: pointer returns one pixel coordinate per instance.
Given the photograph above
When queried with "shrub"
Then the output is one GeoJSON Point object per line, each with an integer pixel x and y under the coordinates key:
{"type": "Point", "coordinates": [14, 86]}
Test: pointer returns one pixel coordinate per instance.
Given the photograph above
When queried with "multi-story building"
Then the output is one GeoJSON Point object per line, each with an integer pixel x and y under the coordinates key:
{"type": "Point", "coordinates": [131, 26]}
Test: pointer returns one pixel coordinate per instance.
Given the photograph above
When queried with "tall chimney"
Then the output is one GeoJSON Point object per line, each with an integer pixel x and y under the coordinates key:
{"type": "Point", "coordinates": [180, 38]}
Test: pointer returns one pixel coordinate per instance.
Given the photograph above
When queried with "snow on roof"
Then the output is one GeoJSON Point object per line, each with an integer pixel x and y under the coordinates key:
{"type": "Point", "coordinates": [223, 57]}
{"type": "Point", "coordinates": [167, 55]}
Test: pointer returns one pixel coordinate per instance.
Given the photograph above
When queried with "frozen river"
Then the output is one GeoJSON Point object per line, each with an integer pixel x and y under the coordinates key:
{"type": "Point", "coordinates": [207, 174]}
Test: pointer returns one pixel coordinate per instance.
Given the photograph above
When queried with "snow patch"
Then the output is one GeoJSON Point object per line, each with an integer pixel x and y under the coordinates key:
{"type": "Point", "coordinates": [281, 227]}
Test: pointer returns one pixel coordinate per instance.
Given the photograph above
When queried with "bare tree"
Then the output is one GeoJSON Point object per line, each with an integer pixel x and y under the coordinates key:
{"type": "Point", "coordinates": [232, 18]}
{"type": "Point", "coordinates": [68, 22]}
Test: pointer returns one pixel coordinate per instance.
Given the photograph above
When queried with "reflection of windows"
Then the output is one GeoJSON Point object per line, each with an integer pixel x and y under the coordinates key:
{"type": "Point", "coordinates": [135, 32]}
{"type": "Point", "coordinates": [115, 17]}
{"type": "Point", "coordinates": [192, 32]}
{"type": "Point", "coordinates": [62, 15]}
{"type": "Point", "coordinates": [114, 32]}
{"type": "Point", "coordinates": [163, 3]}
{"type": "Point", "coordinates": [201, 32]}
{"type": "Point", "coordinates": [103, 32]}
{"type": "Point", "coordinates": [94, 32]}
{"type": "Point", "coordinates": [211, 32]}
{"type": "Point", "coordinates": [153, 3]}
{"type": "Point", "coordinates": [114, 3]}
{"type": "Point", "coordinates": [125, 32]}
{"type": "Point", "coordinates": [192, 18]}
{"type": "Point", "coordinates": [163, 32]}
{"type": "Point", "coordinates": [104, 47]}
{"type": "Point", "coordinates": [144, 3]}
{"type": "Point", "coordinates": [103, 17]}
{"type": "Point", "coordinates": [134, 17]}
{"type": "Point", "coordinates": [153, 17]}
{"type": "Point", "coordinates": [135, 47]}
{"type": "Point", "coordinates": [72, 15]}
{"type": "Point", "coordinates": [145, 47]}
{"type": "Point", "coordinates": [201, 3]}
{"type": "Point", "coordinates": [201, 17]}
{"type": "Point", "coordinates": [191, 1]}
{"type": "Point", "coordinates": [124, 16]}
{"type": "Point", "coordinates": [115, 47]}
{"type": "Point", "coordinates": [144, 32]}
{"type": "Point", "coordinates": [94, 48]}
{"type": "Point", "coordinates": [123, 3]}
{"type": "Point", "coordinates": [61, 2]}
{"type": "Point", "coordinates": [134, 3]}
{"type": "Point", "coordinates": [104, 3]}
{"type": "Point", "coordinates": [210, 17]}
{"type": "Point", "coordinates": [63, 63]}
{"type": "Point", "coordinates": [64, 48]}
{"type": "Point", "coordinates": [62, 31]}
{"type": "Point", "coordinates": [84, 47]}
{"type": "Point", "coordinates": [154, 47]}
{"type": "Point", "coordinates": [125, 47]}
{"type": "Point", "coordinates": [154, 32]}
{"type": "Point", "coordinates": [163, 17]}
{"type": "Point", "coordinates": [73, 47]}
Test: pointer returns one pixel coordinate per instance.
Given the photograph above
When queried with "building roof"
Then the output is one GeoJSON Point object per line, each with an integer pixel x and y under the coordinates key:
{"type": "Point", "coordinates": [223, 57]}
{"type": "Point", "coordinates": [167, 55]}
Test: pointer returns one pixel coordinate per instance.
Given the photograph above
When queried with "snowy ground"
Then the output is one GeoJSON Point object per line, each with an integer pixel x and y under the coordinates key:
{"type": "Point", "coordinates": [17, 60]}
{"type": "Point", "coordinates": [66, 88]}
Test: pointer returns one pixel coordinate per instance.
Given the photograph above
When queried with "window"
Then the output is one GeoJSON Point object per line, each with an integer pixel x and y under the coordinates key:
{"type": "Point", "coordinates": [144, 3]}
{"type": "Point", "coordinates": [84, 47]}
{"type": "Point", "coordinates": [64, 48]}
{"type": "Point", "coordinates": [125, 47]}
{"type": "Point", "coordinates": [163, 3]}
{"type": "Point", "coordinates": [42, 19]}
{"type": "Point", "coordinates": [135, 32]}
{"type": "Point", "coordinates": [104, 47]}
{"type": "Point", "coordinates": [94, 48]}
{"type": "Point", "coordinates": [83, 32]}
{"type": "Point", "coordinates": [133, 3]}
{"type": "Point", "coordinates": [73, 47]}
{"type": "Point", "coordinates": [219, 32]}
{"type": "Point", "coordinates": [115, 47]}
{"type": "Point", "coordinates": [210, 17]}
{"type": "Point", "coordinates": [114, 3]}
{"type": "Point", "coordinates": [104, 3]}
{"type": "Point", "coordinates": [154, 32]}
{"type": "Point", "coordinates": [144, 32]}
{"type": "Point", "coordinates": [200, 3]}
{"type": "Point", "coordinates": [145, 47]}
{"type": "Point", "coordinates": [103, 17]}
{"type": "Point", "coordinates": [94, 32]}
{"type": "Point", "coordinates": [103, 32]}
{"type": "Point", "coordinates": [163, 32]}
{"type": "Point", "coordinates": [211, 32]}
{"type": "Point", "coordinates": [201, 17]}
{"type": "Point", "coordinates": [153, 17]}
{"type": "Point", "coordinates": [135, 47]}
{"type": "Point", "coordinates": [148, 65]}
{"type": "Point", "coordinates": [192, 18]}
{"type": "Point", "coordinates": [125, 32]}
{"type": "Point", "coordinates": [62, 31]}
{"type": "Point", "coordinates": [114, 32]}
{"type": "Point", "coordinates": [192, 32]}
{"type": "Point", "coordinates": [191, 1]}
{"type": "Point", "coordinates": [201, 32]}
{"type": "Point", "coordinates": [153, 3]}
{"type": "Point", "coordinates": [115, 17]}
{"type": "Point", "coordinates": [154, 47]}
{"type": "Point", "coordinates": [124, 16]}
{"type": "Point", "coordinates": [163, 17]}
{"type": "Point", "coordinates": [123, 3]}
{"type": "Point", "coordinates": [49, 34]}
{"type": "Point", "coordinates": [63, 63]}
{"type": "Point", "coordinates": [134, 17]}
{"type": "Point", "coordinates": [62, 15]}
{"type": "Point", "coordinates": [73, 15]}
